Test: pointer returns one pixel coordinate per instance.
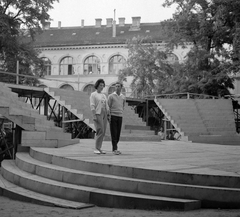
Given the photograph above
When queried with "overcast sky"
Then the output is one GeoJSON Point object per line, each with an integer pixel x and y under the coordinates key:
{"type": "Point", "coordinates": [71, 12]}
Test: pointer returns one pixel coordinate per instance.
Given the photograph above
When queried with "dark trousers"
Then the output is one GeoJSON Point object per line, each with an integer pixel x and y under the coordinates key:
{"type": "Point", "coordinates": [115, 129]}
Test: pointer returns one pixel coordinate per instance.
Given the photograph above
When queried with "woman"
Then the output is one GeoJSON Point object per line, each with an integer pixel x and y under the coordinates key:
{"type": "Point", "coordinates": [100, 111]}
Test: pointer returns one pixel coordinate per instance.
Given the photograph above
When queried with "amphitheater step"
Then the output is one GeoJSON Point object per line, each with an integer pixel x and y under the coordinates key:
{"type": "Point", "coordinates": [75, 102]}
{"type": "Point", "coordinates": [216, 139]}
{"type": "Point", "coordinates": [18, 119]}
{"type": "Point", "coordinates": [51, 143]}
{"type": "Point", "coordinates": [123, 184]}
{"type": "Point", "coordinates": [143, 132]}
{"type": "Point", "coordinates": [100, 197]}
{"type": "Point", "coordinates": [49, 156]}
{"type": "Point", "coordinates": [136, 127]}
{"type": "Point", "coordinates": [15, 192]}
{"type": "Point", "coordinates": [135, 137]}
{"type": "Point", "coordinates": [38, 135]}
{"type": "Point", "coordinates": [201, 120]}
{"type": "Point", "coordinates": [210, 196]}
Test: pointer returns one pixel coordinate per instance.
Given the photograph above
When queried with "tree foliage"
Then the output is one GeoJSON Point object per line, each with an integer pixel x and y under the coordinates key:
{"type": "Point", "coordinates": [212, 26]}
{"type": "Point", "coordinates": [147, 66]}
{"type": "Point", "coordinates": [20, 20]}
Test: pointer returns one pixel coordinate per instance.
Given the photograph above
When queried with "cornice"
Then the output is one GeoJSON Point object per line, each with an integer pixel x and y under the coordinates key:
{"type": "Point", "coordinates": [81, 47]}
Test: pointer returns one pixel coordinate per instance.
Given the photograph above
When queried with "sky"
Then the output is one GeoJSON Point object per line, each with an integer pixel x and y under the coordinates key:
{"type": "Point", "coordinates": [71, 12]}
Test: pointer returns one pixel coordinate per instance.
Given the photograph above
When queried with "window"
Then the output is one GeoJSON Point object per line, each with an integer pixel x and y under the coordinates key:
{"type": "Point", "coordinates": [116, 63]}
{"type": "Point", "coordinates": [92, 65]}
{"type": "Point", "coordinates": [112, 89]}
{"type": "Point", "coordinates": [89, 88]}
{"type": "Point", "coordinates": [172, 58]}
{"type": "Point", "coordinates": [46, 66]}
{"type": "Point", "coordinates": [66, 66]}
{"type": "Point", "coordinates": [67, 87]}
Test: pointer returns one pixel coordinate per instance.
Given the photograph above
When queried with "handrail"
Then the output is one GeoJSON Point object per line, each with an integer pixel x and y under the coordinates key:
{"type": "Point", "coordinates": [233, 96]}
{"type": "Point", "coordinates": [187, 94]}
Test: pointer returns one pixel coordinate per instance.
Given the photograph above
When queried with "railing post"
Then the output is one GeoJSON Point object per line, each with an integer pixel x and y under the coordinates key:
{"type": "Point", "coordinates": [46, 102]}
{"type": "Point", "coordinates": [165, 128]}
{"type": "Point", "coordinates": [188, 95]}
{"type": "Point", "coordinates": [147, 112]}
{"type": "Point", "coordinates": [17, 78]}
{"type": "Point", "coordinates": [63, 118]}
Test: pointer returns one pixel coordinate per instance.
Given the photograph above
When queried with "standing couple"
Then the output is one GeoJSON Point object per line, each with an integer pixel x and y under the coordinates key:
{"type": "Point", "coordinates": [107, 109]}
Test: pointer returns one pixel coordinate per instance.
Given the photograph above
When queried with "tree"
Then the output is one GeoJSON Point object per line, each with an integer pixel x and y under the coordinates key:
{"type": "Point", "coordinates": [20, 21]}
{"type": "Point", "coordinates": [147, 66]}
{"type": "Point", "coordinates": [212, 26]}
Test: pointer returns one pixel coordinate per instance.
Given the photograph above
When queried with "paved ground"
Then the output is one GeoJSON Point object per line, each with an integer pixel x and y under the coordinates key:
{"type": "Point", "coordinates": [165, 155]}
{"type": "Point", "coordinates": [11, 208]}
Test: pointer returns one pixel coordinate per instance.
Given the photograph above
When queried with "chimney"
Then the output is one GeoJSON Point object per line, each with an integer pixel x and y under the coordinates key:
{"type": "Point", "coordinates": [121, 21]}
{"type": "Point", "coordinates": [109, 22]}
{"type": "Point", "coordinates": [46, 25]}
{"type": "Point", "coordinates": [135, 24]}
{"type": "Point", "coordinates": [59, 24]}
{"type": "Point", "coordinates": [98, 22]}
{"type": "Point", "coordinates": [114, 29]}
{"type": "Point", "coordinates": [82, 23]}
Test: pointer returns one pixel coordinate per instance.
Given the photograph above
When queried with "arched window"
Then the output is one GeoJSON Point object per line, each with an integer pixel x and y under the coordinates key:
{"type": "Point", "coordinates": [172, 58]}
{"type": "Point", "coordinates": [89, 88]}
{"type": "Point", "coordinates": [112, 89]}
{"type": "Point", "coordinates": [46, 66]}
{"type": "Point", "coordinates": [67, 87]}
{"type": "Point", "coordinates": [92, 65]}
{"type": "Point", "coordinates": [66, 66]}
{"type": "Point", "coordinates": [116, 63]}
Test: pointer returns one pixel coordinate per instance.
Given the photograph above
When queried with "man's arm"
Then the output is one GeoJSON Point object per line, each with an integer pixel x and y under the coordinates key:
{"type": "Point", "coordinates": [110, 102]}
{"type": "Point", "coordinates": [124, 102]}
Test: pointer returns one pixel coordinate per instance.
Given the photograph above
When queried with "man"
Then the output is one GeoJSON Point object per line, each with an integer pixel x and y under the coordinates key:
{"type": "Point", "coordinates": [116, 102]}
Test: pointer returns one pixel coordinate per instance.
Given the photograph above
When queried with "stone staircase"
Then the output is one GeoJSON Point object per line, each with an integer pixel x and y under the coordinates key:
{"type": "Point", "coordinates": [36, 129]}
{"type": "Point", "coordinates": [36, 173]}
{"type": "Point", "coordinates": [81, 183]}
{"type": "Point", "coordinates": [133, 129]}
{"type": "Point", "coordinates": [77, 102]}
{"type": "Point", "coordinates": [202, 120]}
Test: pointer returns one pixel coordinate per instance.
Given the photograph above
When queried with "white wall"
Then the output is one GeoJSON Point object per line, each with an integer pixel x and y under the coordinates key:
{"type": "Point", "coordinates": [78, 81]}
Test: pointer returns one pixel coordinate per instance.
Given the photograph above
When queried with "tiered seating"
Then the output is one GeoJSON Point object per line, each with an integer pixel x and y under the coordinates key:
{"type": "Point", "coordinates": [77, 102]}
{"type": "Point", "coordinates": [84, 182]}
{"type": "Point", "coordinates": [81, 177]}
{"type": "Point", "coordinates": [202, 120]}
{"type": "Point", "coordinates": [133, 128]}
{"type": "Point", "coordinates": [37, 130]}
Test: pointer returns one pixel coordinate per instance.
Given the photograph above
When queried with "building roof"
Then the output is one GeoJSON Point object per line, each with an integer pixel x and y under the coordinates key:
{"type": "Point", "coordinates": [92, 35]}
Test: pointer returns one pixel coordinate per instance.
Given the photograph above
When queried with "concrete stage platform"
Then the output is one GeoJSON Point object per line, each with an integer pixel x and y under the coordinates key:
{"type": "Point", "coordinates": [172, 156]}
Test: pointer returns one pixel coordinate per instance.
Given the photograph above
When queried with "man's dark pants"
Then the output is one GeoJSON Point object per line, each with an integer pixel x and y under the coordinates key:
{"type": "Point", "coordinates": [115, 129]}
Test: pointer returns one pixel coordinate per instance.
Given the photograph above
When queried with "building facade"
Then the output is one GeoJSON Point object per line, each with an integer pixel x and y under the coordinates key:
{"type": "Point", "coordinates": [75, 57]}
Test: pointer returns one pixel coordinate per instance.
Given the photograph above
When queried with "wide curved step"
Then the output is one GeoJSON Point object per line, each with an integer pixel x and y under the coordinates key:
{"type": "Point", "coordinates": [16, 192]}
{"type": "Point", "coordinates": [209, 196]}
{"type": "Point", "coordinates": [49, 156]}
{"type": "Point", "coordinates": [100, 197]}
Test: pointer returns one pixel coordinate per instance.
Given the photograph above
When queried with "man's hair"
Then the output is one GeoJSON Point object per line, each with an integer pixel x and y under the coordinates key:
{"type": "Point", "coordinates": [98, 82]}
{"type": "Point", "coordinates": [118, 82]}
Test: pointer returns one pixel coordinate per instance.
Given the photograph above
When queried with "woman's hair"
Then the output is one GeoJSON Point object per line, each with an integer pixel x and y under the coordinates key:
{"type": "Point", "coordinates": [98, 82]}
